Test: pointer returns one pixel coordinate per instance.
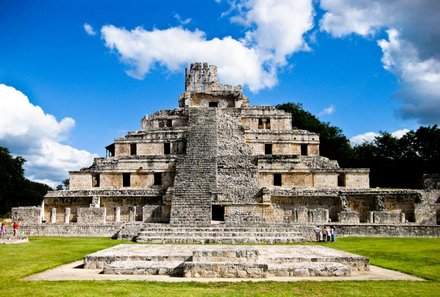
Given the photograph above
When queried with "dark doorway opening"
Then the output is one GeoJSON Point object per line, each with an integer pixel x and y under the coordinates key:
{"type": "Point", "coordinates": [277, 180]}
{"type": "Point", "coordinates": [304, 150]}
{"type": "Point", "coordinates": [268, 149]}
{"type": "Point", "coordinates": [126, 179]}
{"type": "Point", "coordinates": [133, 149]}
{"type": "Point", "coordinates": [218, 213]}
{"type": "Point", "coordinates": [341, 180]}
{"type": "Point", "coordinates": [167, 148]}
{"type": "Point", "coordinates": [157, 179]}
{"type": "Point", "coordinates": [213, 104]}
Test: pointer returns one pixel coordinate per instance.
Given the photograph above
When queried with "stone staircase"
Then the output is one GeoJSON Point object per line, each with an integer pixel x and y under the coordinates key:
{"type": "Point", "coordinates": [196, 171]}
{"type": "Point", "coordinates": [196, 261]}
{"type": "Point", "coordinates": [164, 233]}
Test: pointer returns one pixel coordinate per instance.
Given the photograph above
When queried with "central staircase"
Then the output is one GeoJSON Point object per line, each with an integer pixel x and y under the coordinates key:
{"type": "Point", "coordinates": [224, 234]}
{"type": "Point", "coordinates": [196, 171]}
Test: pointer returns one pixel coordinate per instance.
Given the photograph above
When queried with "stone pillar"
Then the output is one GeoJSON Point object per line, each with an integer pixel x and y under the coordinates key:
{"type": "Point", "coordinates": [402, 217]}
{"type": "Point", "coordinates": [117, 214]}
{"type": "Point", "coordinates": [132, 214]}
{"type": "Point", "coordinates": [53, 215]}
{"type": "Point", "coordinates": [67, 215]}
{"type": "Point", "coordinates": [96, 201]}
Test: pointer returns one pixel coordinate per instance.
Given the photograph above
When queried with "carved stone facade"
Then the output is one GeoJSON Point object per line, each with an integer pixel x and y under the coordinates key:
{"type": "Point", "coordinates": [216, 159]}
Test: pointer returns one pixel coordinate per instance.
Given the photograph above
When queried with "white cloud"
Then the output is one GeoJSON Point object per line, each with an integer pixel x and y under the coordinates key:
{"type": "Point", "coordinates": [279, 26]}
{"type": "Point", "coordinates": [89, 29]}
{"type": "Point", "coordinates": [370, 136]}
{"type": "Point", "coordinates": [327, 111]}
{"type": "Point", "coordinates": [173, 48]}
{"type": "Point", "coordinates": [182, 21]}
{"type": "Point", "coordinates": [420, 79]}
{"type": "Point", "coordinates": [275, 30]}
{"type": "Point", "coordinates": [28, 131]}
{"type": "Point", "coordinates": [412, 51]}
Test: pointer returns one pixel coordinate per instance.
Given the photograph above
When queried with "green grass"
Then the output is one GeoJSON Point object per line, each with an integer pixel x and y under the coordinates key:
{"type": "Point", "coordinates": [420, 257]}
{"type": "Point", "coordinates": [416, 256]}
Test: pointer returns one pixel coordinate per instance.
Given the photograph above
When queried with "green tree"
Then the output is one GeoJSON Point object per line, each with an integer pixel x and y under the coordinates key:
{"type": "Point", "coordinates": [402, 162]}
{"type": "Point", "coordinates": [15, 189]}
{"type": "Point", "coordinates": [333, 143]}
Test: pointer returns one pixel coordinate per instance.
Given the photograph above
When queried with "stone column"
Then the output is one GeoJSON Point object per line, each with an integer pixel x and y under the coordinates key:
{"type": "Point", "coordinates": [132, 214]}
{"type": "Point", "coordinates": [53, 215]}
{"type": "Point", "coordinates": [117, 214]}
{"type": "Point", "coordinates": [67, 215]}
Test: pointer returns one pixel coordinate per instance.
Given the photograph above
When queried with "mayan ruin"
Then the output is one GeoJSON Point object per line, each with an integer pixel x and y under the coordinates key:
{"type": "Point", "coordinates": [219, 170]}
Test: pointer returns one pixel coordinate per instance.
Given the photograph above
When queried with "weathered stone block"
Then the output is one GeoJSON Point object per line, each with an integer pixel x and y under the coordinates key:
{"type": "Point", "coordinates": [91, 215]}
{"type": "Point", "coordinates": [348, 217]}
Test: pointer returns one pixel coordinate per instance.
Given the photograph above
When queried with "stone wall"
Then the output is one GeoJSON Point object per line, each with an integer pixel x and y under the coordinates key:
{"type": "Point", "coordinates": [27, 215]}
{"type": "Point", "coordinates": [94, 230]}
{"type": "Point", "coordinates": [376, 230]}
{"type": "Point", "coordinates": [80, 180]}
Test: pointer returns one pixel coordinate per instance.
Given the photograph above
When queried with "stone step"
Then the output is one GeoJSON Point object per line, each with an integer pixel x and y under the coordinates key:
{"type": "Point", "coordinates": [172, 268]}
{"type": "Point", "coordinates": [224, 270]}
{"type": "Point", "coordinates": [223, 234]}
{"type": "Point", "coordinates": [308, 269]}
{"type": "Point", "coordinates": [219, 239]}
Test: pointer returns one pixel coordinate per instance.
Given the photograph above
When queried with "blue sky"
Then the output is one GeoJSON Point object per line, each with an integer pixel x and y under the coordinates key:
{"type": "Point", "coordinates": [76, 74]}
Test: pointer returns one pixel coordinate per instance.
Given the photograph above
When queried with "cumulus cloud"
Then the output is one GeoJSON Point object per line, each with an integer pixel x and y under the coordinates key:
{"type": "Point", "coordinates": [274, 30]}
{"type": "Point", "coordinates": [327, 111]}
{"type": "Point", "coordinates": [30, 132]}
{"type": "Point", "coordinates": [411, 50]}
{"type": "Point", "coordinates": [278, 26]}
{"type": "Point", "coordinates": [370, 136]}
{"type": "Point", "coordinates": [89, 29]}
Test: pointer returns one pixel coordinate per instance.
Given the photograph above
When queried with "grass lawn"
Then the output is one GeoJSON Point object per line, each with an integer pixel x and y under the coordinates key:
{"type": "Point", "coordinates": [420, 257]}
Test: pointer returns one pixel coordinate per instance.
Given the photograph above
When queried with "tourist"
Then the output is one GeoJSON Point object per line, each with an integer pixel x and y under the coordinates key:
{"type": "Point", "coordinates": [15, 227]}
{"type": "Point", "coordinates": [333, 233]}
{"type": "Point", "coordinates": [3, 230]}
{"type": "Point", "coordinates": [317, 231]}
{"type": "Point", "coordinates": [327, 233]}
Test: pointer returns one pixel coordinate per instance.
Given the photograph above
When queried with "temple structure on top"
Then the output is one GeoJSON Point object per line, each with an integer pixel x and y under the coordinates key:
{"type": "Point", "coordinates": [216, 158]}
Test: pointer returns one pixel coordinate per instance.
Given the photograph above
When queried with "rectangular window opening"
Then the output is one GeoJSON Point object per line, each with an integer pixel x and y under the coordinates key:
{"type": "Point", "coordinates": [218, 213]}
{"type": "Point", "coordinates": [133, 149]}
{"type": "Point", "coordinates": [341, 180]}
{"type": "Point", "coordinates": [169, 123]}
{"type": "Point", "coordinates": [157, 179]}
{"type": "Point", "coordinates": [95, 180]}
{"type": "Point", "coordinates": [126, 179]}
{"type": "Point", "coordinates": [167, 148]}
{"type": "Point", "coordinates": [213, 104]}
{"type": "Point", "coordinates": [267, 123]}
{"type": "Point", "coordinates": [268, 148]}
{"type": "Point", "coordinates": [304, 150]}
{"type": "Point", "coordinates": [260, 124]}
{"type": "Point", "coordinates": [277, 181]}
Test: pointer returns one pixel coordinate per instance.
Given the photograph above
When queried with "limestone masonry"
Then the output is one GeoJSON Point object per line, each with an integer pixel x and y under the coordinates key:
{"type": "Point", "coordinates": [216, 162]}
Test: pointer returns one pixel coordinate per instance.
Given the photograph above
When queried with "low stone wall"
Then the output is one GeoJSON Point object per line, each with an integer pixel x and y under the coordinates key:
{"type": "Point", "coordinates": [131, 230]}
{"type": "Point", "coordinates": [70, 230]}
{"type": "Point", "coordinates": [378, 230]}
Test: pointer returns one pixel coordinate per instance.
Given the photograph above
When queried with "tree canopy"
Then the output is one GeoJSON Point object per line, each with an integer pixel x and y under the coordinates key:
{"type": "Point", "coordinates": [400, 162]}
{"type": "Point", "coordinates": [15, 189]}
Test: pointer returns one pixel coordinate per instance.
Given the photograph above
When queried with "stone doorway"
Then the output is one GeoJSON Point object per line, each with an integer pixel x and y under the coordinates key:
{"type": "Point", "coordinates": [218, 213]}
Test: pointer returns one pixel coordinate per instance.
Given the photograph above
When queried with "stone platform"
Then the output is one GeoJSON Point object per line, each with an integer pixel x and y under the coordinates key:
{"type": "Point", "coordinates": [225, 261]}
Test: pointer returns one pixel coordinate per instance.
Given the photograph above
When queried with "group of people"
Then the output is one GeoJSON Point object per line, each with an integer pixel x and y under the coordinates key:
{"type": "Point", "coordinates": [15, 227]}
{"type": "Point", "coordinates": [325, 233]}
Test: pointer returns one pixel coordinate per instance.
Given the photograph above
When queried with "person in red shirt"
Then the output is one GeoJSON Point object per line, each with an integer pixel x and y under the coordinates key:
{"type": "Point", "coordinates": [15, 227]}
